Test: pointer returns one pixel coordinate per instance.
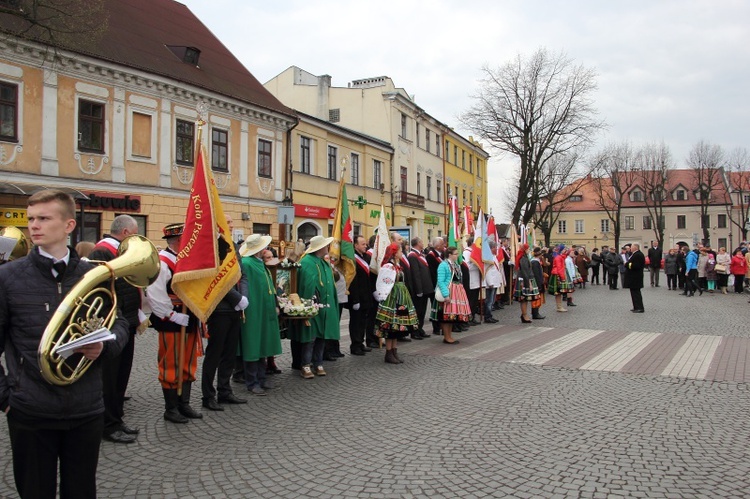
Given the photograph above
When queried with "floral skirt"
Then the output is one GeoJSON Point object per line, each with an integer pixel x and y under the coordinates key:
{"type": "Point", "coordinates": [458, 310]}
{"type": "Point", "coordinates": [396, 316]}
{"type": "Point", "coordinates": [559, 286]}
{"type": "Point", "coordinates": [526, 294]}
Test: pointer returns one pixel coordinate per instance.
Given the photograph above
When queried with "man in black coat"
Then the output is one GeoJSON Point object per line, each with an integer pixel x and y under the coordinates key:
{"type": "Point", "coordinates": [654, 262]}
{"type": "Point", "coordinates": [116, 372]}
{"type": "Point", "coordinates": [634, 276]}
{"type": "Point", "coordinates": [421, 282]}
{"type": "Point", "coordinates": [611, 261]}
{"type": "Point", "coordinates": [360, 298]}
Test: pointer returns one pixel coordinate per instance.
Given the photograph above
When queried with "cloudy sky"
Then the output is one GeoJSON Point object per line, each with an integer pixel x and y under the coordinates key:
{"type": "Point", "coordinates": [672, 70]}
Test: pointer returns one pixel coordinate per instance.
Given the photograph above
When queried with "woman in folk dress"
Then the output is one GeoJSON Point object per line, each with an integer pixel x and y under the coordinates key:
{"type": "Point", "coordinates": [559, 285]}
{"type": "Point", "coordinates": [526, 287]}
{"type": "Point", "coordinates": [455, 309]}
{"type": "Point", "coordinates": [396, 317]}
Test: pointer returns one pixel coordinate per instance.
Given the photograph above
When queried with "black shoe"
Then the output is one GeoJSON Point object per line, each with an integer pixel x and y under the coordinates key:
{"type": "Point", "coordinates": [472, 322]}
{"type": "Point", "coordinates": [338, 354]}
{"type": "Point", "coordinates": [129, 430]}
{"type": "Point", "coordinates": [700, 291]}
{"type": "Point", "coordinates": [366, 349]}
{"type": "Point", "coordinates": [491, 320]}
{"type": "Point", "coordinates": [423, 334]}
{"type": "Point", "coordinates": [571, 304]}
{"type": "Point", "coordinates": [357, 351]}
{"type": "Point", "coordinates": [232, 399]}
{"type": "Point", "coordinates": [416, 336]}
{"type": "Point", "coordinates": [373, 344]}
{"type": "Point", "coordinates": [537, 317]}
{"type": "Point", "coordinates": [637, 311]}
{"type": "Point", "coordinates": [329, 357]}
{"type": "Point", "coordinates": [454, 342]}
{"type": "Point", "coordinates": [212, 405]}
{"type": "Point", "coordinates": [126, 398]}
{"type": "Point", "coordinates": [119, 437]}
{"type": "Point", "coordinates": [238, 379]}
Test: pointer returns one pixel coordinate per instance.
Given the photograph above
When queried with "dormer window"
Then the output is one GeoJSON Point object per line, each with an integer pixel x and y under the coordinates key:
{"type": "Point", "coordinates": [703, 193]}
{"type": "Point", "coordinates": [188, 55]}
{"type": "Point", "coordinates": [576, 197]}
{"type": "Point", "coordinates": [680, 195]}
{"type": "Point", "coordinates": [636, 196]}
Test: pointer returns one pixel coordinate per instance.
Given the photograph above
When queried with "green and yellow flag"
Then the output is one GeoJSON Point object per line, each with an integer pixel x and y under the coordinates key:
{"type": "Point", "coordinates": [342, 247]}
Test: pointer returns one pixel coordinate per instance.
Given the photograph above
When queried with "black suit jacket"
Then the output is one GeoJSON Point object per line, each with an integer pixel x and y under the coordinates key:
{"type": "Point", "coordinates": [634, 270]}
{"type": "Point", "coordinates": [654, 257]}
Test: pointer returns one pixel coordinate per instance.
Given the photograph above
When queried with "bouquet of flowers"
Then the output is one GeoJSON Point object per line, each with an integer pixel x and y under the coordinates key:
{"type": "Point", "coordinates": [293, 306]}
{"type": "Point", "coordinates": [288, 264]}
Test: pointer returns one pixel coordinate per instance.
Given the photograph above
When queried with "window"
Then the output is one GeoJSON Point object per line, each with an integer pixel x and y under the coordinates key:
{"type": "Point", "coordinates": [140, 220]}
{"type": "Point", "coordinates": [437, 145]}
{"type": "Point", "coordinates": [264, 158]}
{"type": "Point", "coordinates": [141, 135]}
{"type": "Point", "coordinates": [721, 221]}
{"type": "Point", "coordinates": [419, 184]}
{"type": "Point", "coordinates": [355, 169]}
{"type": "Point", "coordinates": [455, 155]}
{"type": "Point", "coordinates": [92, 223]}
{"type": "Point", "coordinates": [646, 222]}
{"type": "Point", "coordinates": [447, 150]}
{"type": "Point", "coordinates": [579, 226]}
{"type": "Point", "coordinates": [636, 196]}
{"type": "Point", "coordinates": [471, 199]}
{"type": "Point", "coordinates": [377, 172]}
{"type": "Point", "coordinates": [705, 221]}
{"type": "Point", "coordinates": [334, 115]}
{"type": "Point", "coordinates": [604, 225]}
{"type": "Point", "coordinates": [680, 195]}
{"type": "Point", "coordinates": [184, 139]}
{"type": "Point", "coordinates": [427, 139]}
{"type": "Point", "coordinates": [629, 222]}
{"type": "Point", "coordinates": [722, 242]}
{"type": "Point", "coordinates": [681, 222]}
{"type": "Point", "coordinates": [8, 112]}
{"type": "Point", "coordinates": [332, 162]}
{"type": "Point", "coordinates": [746, 198]}
{"type": "Point", "coordinates": [417, 135]}
{"type": "Point", "coordinates": [403, 125]}
{"type": "Point", "coordinates": [264, 229]}
{"type": "Point", "coordinates": [90, 126]}
{"type": "Point", "coordinates": [463, 160]}
{"type": "Point", "coordinates": [438, 190]}
{"type": "Point", "coordinates": [479, 168]}
{"type": "Point", "coordinates": [562, 227]}
{"type": "Point", "coordinates": [304, 155]}
{"type": "Point", "coordinates": [471, 163]}
{"type": "Point", "coordinates": [463, 197]}
{"type": "Point", "coordinates": [428, 180]}
{"type": "Point", "coordinates": [576, 197]}
{"type": "Point", "coordinates": [219, 150]}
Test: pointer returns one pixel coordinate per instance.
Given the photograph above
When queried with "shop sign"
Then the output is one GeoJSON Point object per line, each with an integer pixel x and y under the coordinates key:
{"type": "Point", "coordinates": [112, 202]}
{"type": "Point", "coordinates": [432, 219]}
{"type": "Point", "coordinates": [13, 216]}
{"type": "Point", "coordinates": [376, 214]}
{"type": "Point", "coordinates": [307, 211]}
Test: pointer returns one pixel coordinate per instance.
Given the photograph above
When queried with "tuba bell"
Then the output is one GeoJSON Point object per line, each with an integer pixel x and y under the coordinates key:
{"type": "Point", "coordinates": [90, 306]}
{"type": "Point", "coordinates": [22, 244]}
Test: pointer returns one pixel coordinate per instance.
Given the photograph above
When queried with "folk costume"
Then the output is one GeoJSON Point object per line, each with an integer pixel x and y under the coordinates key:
{"type": "Point", "coordinates": [559, 284]}
{"type": "Point", "coordinates": [526, 287]}
{"type": "Point", "coordinates": [260, 331]}
{"type": "Point", "coordinates": [166, 308]}
{"type": "Point", "coordinates": [396, 317]}
{"type": "Point", "coordinates": [450, 282]}
{"type": "Point", "coordinates": [315, 281]}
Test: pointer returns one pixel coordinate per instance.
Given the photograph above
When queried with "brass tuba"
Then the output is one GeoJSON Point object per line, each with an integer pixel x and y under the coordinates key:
{"type": "Point", "coordinates": [22, 244]}
{"type": "Point", "coordinates": [90, 306]}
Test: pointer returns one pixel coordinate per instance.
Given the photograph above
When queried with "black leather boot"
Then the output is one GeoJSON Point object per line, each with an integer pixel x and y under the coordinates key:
{"type": "Point", "coordinates": [184, 406]}
{"type": "Point", "coordinates": [171, 402]}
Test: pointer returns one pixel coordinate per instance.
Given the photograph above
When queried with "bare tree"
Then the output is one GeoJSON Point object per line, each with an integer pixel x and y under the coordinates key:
{"type": "Point", "coordinates": [534, 108]}
{"type": "Point", "coordinates": [738, 171]}
{"type": "Point", "coordinates": [617, 169]}
{"type": "Point", "coordinates": [68, 24]}
{"type": "Point", "coordinates": [657, 163]}
{"type": "Point", "coordinates": [706, 161]}
{"type": "Point", "coordinates": [560, 179]}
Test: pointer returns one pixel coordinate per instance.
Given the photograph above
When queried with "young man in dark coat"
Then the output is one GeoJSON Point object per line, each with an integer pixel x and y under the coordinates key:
{"type": "Point", "coordinates": [421, 281]}
{"type": "Point", "coordinates": [634, 276]}
{"type": "Point", "coordinates": [654, 262]}
{"type": "Point", "coordinates": [360, 298]}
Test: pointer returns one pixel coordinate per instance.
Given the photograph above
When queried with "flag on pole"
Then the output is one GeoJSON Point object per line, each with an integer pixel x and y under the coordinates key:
{"type": "Point", "coordinates": [382, 240]}
{"type": "Point", "coordinates": [490, 234]}
{"type": "Point", "coordinates": [342, 247]}
{"type": "Point", "coordinates": [207, 265]}
{"type": "Point", "coordinates": [476, 248]}
{"type": "Point", "coordinates": [453, 234]}
{"type": "Point", "coordinates": [468, 221]}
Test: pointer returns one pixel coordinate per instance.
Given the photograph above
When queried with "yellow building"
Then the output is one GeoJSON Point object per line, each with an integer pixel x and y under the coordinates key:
{"type": "Point", "coordinates": [466, 171]}
{"type": "Point", "coordinates": [115, 123]}
{"type": "Point", "coordinates": [322, 152]}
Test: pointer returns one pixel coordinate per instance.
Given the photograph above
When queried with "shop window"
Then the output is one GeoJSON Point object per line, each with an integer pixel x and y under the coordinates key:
{"type": "Point", "coordinates": [139, 219]}
{"type": "Point", "coordinates": [263, 229]}
{"type": "Point", "coordinates": [307, 231]}
{"type": "Point", "coordinates": [91, 228]}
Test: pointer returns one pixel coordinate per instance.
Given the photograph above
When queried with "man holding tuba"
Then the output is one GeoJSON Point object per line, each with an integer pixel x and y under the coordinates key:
{"type": "Point", "coordinates": [167, 318]}
{"type": "Point", "coordinates": [48, 423]}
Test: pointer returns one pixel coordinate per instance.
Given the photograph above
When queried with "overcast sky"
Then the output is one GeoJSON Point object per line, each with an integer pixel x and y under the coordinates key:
{"type": "Point", "coordinates": [674, 70]}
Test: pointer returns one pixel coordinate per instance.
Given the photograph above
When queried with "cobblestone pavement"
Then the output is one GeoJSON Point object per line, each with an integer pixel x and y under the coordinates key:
{"type": "Point", "coordinates": [597, 402]}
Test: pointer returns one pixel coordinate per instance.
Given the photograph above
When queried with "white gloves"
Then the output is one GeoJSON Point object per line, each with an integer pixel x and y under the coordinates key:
{"type": "Point", "coordinates": [242, 305]}
{"type": "Point", "coordinates": [355, 306]}
{"type": "Point", "coordinates": [420, 295]}
{"type": "Point", "coordinates": [179, 319]}
{"type": "Point", "coordinates": [141, 316]}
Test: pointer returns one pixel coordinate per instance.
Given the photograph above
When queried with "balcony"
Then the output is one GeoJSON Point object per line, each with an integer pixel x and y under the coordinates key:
{"type": "Point", "coordinates": [409, 199]}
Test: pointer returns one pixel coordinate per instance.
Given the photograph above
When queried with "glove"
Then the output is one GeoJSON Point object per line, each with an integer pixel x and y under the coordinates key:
{"type": "Point", "coordinates": [355, 306]}
{"type": "Point", "coordinates": [420, 295]}
{"type": "Point", "coordinates": [179, 319]}
{"type": "Point", "coordinates": [242, 305]}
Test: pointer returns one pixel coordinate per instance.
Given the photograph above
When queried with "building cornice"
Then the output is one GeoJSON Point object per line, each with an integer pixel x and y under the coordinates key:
{"type": "Point", "coordinates": [88, 68]}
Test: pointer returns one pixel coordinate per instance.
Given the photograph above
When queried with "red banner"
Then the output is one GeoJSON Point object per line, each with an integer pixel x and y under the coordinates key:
{"type": "Point", "coordinates": [307, 211]}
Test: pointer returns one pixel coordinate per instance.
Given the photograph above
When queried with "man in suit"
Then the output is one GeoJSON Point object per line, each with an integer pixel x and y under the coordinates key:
{"type": "Point", "coordinates": [360, 298]}
{"type": "Point", "coordinates": [654, 262]}
{"type": "Point", "coordinates": [422, 286]}
{"type": "Point", "coordinates": [634, 272]}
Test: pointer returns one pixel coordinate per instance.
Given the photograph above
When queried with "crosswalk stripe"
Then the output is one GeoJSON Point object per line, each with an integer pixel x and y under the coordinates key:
{"type": "Point", "coordinates": [694, 358]}
{"type": "Point", "coordinates": [549, 351]}
{"type": "Point", "coordinates": [497, 342]}
{"type": "Point", "coordinates": [619, 354]}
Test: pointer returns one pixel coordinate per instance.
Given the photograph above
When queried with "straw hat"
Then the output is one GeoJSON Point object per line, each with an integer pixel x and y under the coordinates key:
{"type": "Point", "coordinates": [253, 244]}
{"type": "Point", "coordinates": [318, 243]}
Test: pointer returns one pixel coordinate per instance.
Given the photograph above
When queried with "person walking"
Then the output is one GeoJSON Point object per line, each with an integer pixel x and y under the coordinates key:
{"type": "Point", "coordinates": [634, 277]}
{"type": "Point", "coordinates": [691, 273]}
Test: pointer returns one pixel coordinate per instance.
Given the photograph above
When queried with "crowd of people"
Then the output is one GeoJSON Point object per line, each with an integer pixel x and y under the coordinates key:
{"type": "Point", "coordinates": [415, 283]}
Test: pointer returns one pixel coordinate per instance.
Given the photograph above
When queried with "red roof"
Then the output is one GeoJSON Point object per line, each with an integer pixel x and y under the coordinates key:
{"type": "Point", "coordinates": [137, 33]}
